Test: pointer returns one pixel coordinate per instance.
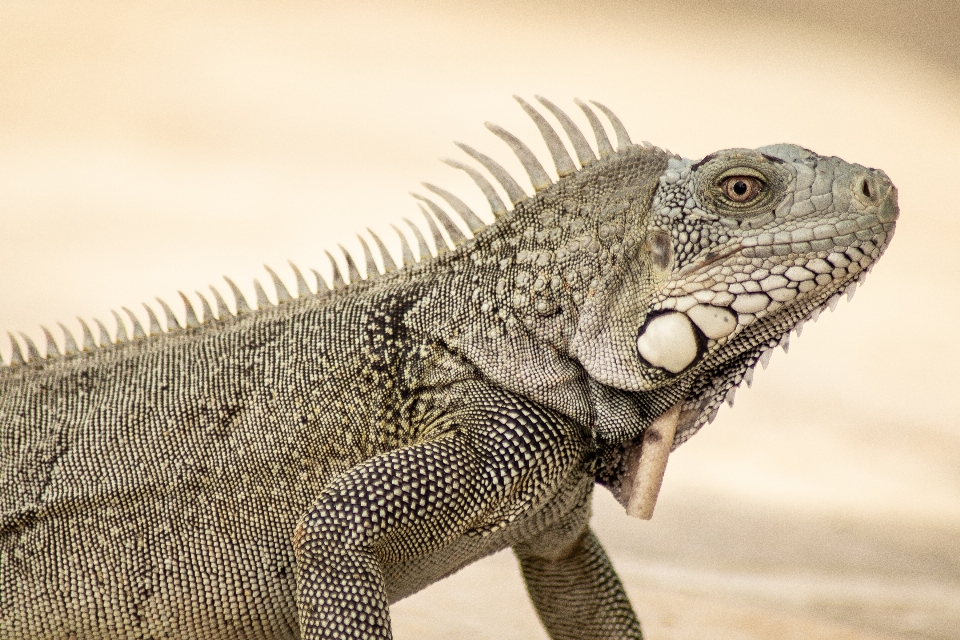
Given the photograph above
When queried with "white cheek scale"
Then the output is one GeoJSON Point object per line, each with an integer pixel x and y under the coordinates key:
{"type": "Point", "coordinates": [669, 342]}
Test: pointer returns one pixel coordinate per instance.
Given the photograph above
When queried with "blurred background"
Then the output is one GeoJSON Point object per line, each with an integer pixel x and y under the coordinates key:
{"type": "Point", "coordinates": [152, 147]}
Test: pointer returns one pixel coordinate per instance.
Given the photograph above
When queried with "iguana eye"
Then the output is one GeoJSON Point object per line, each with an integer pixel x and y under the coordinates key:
{"type": "Point", "coordinates": [740, 186]}
{"type": "Point", "coordinates": [741, 189]}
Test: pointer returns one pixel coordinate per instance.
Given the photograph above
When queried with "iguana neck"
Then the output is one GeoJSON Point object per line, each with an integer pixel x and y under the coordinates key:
{"type": "Point", "coordinates": [513, 300]}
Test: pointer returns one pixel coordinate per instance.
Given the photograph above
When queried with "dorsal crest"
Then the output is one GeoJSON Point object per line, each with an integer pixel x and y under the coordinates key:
{"type": "Point", "coordinates": [24, 352]}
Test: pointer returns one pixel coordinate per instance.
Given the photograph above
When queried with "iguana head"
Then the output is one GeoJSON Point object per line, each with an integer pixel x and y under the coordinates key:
{"type": "Point", "coordinates": [738, 249]}
{"type": "Point", "coordinates": [732, 253]}
{"type": "Point", "coordinates": [745, 245]}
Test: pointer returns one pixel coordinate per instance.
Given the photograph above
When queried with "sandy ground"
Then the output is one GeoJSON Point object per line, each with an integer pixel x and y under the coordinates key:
{"type": "Point", "coordinates": [150, 148]}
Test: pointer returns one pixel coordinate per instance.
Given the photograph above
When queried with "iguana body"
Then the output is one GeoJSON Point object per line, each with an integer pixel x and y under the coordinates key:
{"type": "Point", "coordinates": [288, 472]}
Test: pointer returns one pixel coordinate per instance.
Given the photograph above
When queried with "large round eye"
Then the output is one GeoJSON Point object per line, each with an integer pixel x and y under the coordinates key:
{"type": "Point", "coordinates": [741, 189]}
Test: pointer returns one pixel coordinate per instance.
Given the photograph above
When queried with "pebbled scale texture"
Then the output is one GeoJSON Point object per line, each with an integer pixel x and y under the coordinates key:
{"type": "Point", "coordinates": [289, 471]}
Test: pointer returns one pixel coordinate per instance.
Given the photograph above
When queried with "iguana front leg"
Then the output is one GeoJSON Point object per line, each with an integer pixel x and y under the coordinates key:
{"type": "Point", "coordinates": [574, 587]}
{"type": "Point", "coordinates": [495, 461]}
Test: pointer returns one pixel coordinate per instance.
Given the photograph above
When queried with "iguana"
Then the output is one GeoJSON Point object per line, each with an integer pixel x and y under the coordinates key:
{"type": "Point", "coordinates": [290, 471]}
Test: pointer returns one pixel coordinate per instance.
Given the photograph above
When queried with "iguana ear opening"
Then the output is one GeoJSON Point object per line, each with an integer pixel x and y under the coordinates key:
{"type": "Point", "coordinates": [661, 250]}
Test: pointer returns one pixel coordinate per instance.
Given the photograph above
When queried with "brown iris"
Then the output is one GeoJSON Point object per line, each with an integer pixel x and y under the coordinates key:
{"type": "Point", "coordinates": [741, 189]}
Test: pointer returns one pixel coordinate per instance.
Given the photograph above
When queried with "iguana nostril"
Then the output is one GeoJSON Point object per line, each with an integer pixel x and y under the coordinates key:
{"type": "Point", "coordinates": [865, 188]}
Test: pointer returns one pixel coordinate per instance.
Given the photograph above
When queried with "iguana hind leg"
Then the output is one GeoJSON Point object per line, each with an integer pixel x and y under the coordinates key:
{"type": "Point", "coordinates": [575, 589]}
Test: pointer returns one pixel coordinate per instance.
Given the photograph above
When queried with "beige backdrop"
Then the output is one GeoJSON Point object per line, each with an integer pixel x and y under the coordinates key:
{"type": "Point", "coordinates": [151, 147]}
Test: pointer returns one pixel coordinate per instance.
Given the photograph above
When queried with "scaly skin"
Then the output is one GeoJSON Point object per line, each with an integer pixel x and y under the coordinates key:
{"type": "Point", "coordinates": [289, 472]}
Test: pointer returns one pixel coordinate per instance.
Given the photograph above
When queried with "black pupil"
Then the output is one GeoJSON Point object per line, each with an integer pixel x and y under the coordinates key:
{"type": "Point", "coordinates": [740, 187]}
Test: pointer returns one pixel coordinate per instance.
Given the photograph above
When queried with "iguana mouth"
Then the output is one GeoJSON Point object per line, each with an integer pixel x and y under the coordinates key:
{"type": "Point", "coordinates": [703, 303]}
{"type": "Point", "coordinates": [709, 259]}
